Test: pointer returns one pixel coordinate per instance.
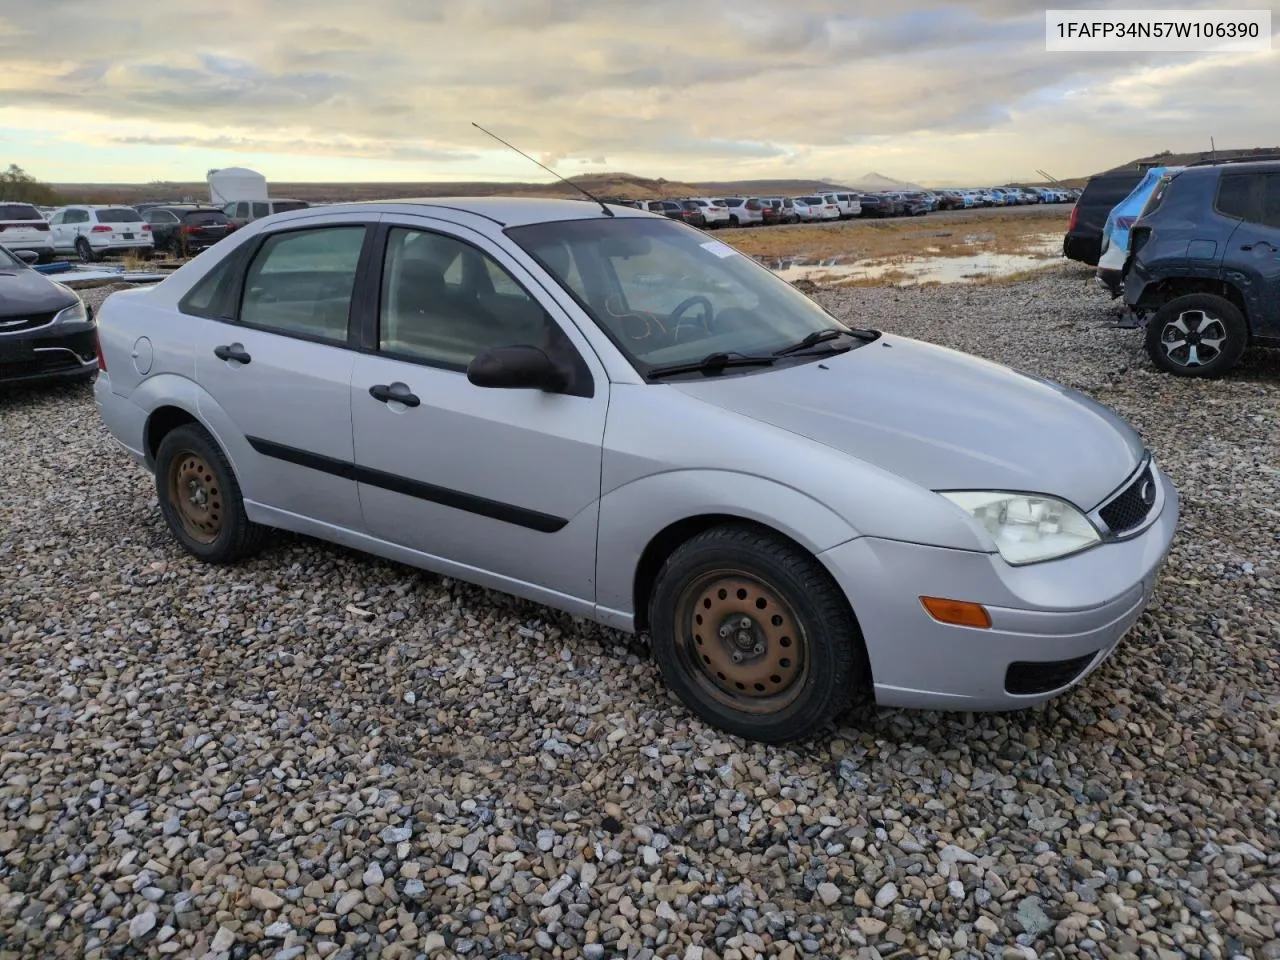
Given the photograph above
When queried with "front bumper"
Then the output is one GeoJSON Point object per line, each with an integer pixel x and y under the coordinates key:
{"type": "Point", "coordinates": [1053, 623]}
{"type": "Point", "coordinates": [54, 352]}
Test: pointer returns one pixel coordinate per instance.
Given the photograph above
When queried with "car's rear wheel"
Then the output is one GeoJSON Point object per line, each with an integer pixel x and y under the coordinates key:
{"type": "Point", "coordinates": [754, 636]}
{"type": "Point", "coordinates": [200, 498]}
{"type": "Point", "coordinates": [85, 251]}
{"type": "Point", "coordinates": [1197, 335]}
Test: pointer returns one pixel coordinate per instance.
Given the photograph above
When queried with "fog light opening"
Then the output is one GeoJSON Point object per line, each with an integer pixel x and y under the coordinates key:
{"type": "Point", "coordinates": [959, 613]}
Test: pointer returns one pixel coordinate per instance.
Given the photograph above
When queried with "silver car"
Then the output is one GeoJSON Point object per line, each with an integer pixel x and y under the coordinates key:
{"type": "Point", "coordinates": [610, 413]}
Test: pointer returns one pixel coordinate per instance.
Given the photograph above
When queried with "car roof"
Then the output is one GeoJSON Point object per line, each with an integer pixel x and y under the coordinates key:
{"type": "Point", "coordinates": [1232, 166]}
{"type": "Point", "coordinates": [507, 211]}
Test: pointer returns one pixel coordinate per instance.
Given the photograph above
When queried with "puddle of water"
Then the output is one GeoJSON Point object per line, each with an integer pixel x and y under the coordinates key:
{"type": "Point", "coordinates": [923, 269]}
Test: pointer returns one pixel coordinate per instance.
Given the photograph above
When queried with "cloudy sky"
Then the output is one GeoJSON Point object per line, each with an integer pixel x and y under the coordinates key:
{"type": "Point", "coordinates": [684, 89]}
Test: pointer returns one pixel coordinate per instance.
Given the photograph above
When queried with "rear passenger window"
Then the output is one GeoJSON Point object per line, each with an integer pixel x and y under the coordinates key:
{"type": "Point", "coordinates": [1234, 195]}
{"type": "Point", "coordinates": [301, 282]}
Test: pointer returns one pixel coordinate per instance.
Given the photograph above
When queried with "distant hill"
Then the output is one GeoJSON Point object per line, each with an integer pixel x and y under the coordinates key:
{"type": "Point", "coordinates": [874, 182]}
{"type": "Point", "coordinates": [623, 185]}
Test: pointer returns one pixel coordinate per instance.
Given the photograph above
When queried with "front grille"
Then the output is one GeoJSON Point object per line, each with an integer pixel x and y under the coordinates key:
{"type": "Point", "coordinates": [1133, 504]}
{"type": "Point", "coordinates": [1026, 677]}
{"type": "Point", "coordinates": [27, 321]}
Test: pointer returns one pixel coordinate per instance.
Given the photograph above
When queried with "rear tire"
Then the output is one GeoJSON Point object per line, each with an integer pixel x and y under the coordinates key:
{"type": "Point", "coordinates": [200, 498]}
{"type": "Point", "coordinates": [1197, 335]}
{"type": "Point", "coordinates": [86, 252]}
{"type": "Point", "coordinates": [752, 634]}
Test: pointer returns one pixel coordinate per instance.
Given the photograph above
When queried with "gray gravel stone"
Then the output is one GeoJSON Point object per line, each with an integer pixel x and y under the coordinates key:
{"type": "Point", "coordinates": [209, 736]}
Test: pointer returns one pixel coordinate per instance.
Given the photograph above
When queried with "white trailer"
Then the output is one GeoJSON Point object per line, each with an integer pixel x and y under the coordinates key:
{"type": "Point", "coordinates": [231, 184]}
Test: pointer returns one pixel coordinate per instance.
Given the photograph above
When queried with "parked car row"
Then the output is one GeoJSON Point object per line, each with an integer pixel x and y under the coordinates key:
{"type": "Point", "coordinates": [710, 213]}
{"type": "Point", "coordinates": [1194, 251]}
{"type": "Point", "coordinates": [94, 231]}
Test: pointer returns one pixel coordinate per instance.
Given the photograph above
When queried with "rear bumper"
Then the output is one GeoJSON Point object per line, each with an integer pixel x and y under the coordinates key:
{"type": "Point", "coordinates": [35, 245]}
{"type": "Point", "coordinates": [124, 420]}
{"type": "Point", "coordinates": [1053, 623]}
{"type": "Point", "coordinates": [1083, 248]}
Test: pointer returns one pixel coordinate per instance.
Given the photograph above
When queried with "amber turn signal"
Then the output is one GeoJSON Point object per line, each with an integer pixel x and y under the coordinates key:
{"type": "Point", "coordinates": [960, 613]}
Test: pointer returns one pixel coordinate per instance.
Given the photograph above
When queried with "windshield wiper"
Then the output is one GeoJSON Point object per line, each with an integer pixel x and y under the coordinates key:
{"type": "Point", "coordinates": [711, 363]}
{"type": "Point", "coordinates": [821, 336]}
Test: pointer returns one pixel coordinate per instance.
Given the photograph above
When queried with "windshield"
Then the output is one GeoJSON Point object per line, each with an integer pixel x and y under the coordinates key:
{"type": "Point", "coordinates": [9, 260]}
{"type": "Point", "coordinates": [665, 294]}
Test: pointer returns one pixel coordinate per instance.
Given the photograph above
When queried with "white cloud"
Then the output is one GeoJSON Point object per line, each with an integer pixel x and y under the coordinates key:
{"type": "Point", "coordinates": [677, 88]}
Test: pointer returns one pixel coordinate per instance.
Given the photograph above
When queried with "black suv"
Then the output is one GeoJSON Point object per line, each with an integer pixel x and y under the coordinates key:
{"type": "Point", "coordinates": [1203, 271]}
{"type": "Point", "coordinates": [1083, 241]}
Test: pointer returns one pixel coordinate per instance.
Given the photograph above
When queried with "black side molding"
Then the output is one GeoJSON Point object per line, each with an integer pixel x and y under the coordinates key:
{"type": "Point", "coordinates": [458, 500]}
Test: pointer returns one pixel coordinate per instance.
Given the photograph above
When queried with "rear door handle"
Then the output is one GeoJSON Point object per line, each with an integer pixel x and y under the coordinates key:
{"type": "Point", "coordinates": [397, 391]}
{"type": "Point", "coordinates": [234, 351]}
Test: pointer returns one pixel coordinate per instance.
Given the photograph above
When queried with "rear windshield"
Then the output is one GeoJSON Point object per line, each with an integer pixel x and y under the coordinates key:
{"type": "Point", "coordinates": [691, 205]}
{"type": "Point", "coordinates": [204, 217]}
{"type": "Point", "coordinates": [19, 211]}
{"type": "Point", "coordinates": [119, 215]}
{"type": "Point", "coordinates": [1108, 191]}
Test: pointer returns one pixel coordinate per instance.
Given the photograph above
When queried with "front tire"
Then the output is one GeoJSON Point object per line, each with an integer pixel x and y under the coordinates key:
{"type": "Point", "coordinates": [1197, 335]}
{"type": "Point", "coordinates": [200, 498]}
{"type": "Point", "coordinates": [753, 635]}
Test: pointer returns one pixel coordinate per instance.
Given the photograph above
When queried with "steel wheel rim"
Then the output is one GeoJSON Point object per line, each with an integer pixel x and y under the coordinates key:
{"type": "Point", "coordinates": [741, 643]}
{"type": "Point", "coordinates": [1193, 339]}
{"type": "Point", "coordinates": [196, 496]}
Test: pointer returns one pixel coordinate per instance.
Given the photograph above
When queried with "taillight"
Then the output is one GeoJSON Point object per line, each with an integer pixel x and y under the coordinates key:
{"type": "Point", "coordinates": [101, 228]}
{"type": "Point", "coordinates": [187, 228]}
{"type": "Point", "coordinates": [41, 226]}
{"type": "Point", "coordinates": [97, 344]}
{"type": "Point", "coordinates": [1075, 216]}
{"type": "Point", "coordinates": [146, 228]}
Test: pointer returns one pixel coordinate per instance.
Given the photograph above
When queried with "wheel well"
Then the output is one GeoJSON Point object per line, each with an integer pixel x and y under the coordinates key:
{"type": "Point", "coordinates": [161, 421]}
{"type": "Point", "coordinates": [1158, 294]}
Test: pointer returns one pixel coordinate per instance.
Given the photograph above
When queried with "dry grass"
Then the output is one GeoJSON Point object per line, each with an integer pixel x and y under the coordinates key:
{"type": "Point", "coordinates": [885, 240]}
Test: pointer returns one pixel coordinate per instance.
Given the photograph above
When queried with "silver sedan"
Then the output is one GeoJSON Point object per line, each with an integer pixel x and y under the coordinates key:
{"type": "Point", "coordinates": [610, 413]}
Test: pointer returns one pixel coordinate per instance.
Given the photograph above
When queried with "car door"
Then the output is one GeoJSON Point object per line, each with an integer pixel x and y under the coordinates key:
{"type": "Point", "coordinates": [274, 363]}
{"type": "Point", "coordinates": [501, 485]}
{"type": "Point", "coordinates": [164, 227]}
{"type": "Point", "coordinates": [1251, 261]}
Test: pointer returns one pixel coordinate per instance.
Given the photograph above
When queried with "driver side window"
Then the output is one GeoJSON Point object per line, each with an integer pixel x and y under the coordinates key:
{"type": "Point", "coordinates": [444, 301]}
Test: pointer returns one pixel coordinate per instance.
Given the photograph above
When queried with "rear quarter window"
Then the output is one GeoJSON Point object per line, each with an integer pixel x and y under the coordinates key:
{"type": "Point", "coordinates": [1235, 195]}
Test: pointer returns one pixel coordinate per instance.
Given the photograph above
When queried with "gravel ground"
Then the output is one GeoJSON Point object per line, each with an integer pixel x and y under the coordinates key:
{"type": "Point", "coordinates": [319, 754]}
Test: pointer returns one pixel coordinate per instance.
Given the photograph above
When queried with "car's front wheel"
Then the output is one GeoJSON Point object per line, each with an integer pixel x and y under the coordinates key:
{"type": "Point", "coordinates": [200, 498]}
{"type": "Point", "coordinates": [1197, 335]}
{"type": "Point", "coordinates": [754, 636]}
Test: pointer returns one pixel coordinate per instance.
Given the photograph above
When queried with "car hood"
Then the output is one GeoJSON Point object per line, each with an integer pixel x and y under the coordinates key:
{"type": "Point", "coordinates": [940, 418]}
{"type": "Point", "coordinates": [25, 291]}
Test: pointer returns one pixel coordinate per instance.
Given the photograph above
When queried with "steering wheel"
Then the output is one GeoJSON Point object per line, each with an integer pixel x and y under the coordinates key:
{"type": "Point", "coordinates": [708, 312]}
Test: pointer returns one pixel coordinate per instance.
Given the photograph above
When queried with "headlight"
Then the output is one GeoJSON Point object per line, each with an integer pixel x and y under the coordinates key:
{"type": "Point", "coordinates": [76, 313]}
{"type": "Point", "coordinates": [1028, 528]}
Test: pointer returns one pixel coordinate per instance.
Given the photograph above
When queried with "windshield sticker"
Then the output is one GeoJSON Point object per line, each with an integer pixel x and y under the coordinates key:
{"type": "Point", "coordinates": [721, 250]}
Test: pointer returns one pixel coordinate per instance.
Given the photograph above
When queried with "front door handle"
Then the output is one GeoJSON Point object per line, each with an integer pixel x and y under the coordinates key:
{"type": "Point", "coordinates": [234, 351]}
{"type": "Point", "coordinates": [397, 391]}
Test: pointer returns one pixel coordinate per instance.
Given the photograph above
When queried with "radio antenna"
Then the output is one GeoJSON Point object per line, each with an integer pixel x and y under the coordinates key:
{"type": "Point", "coordinates": [578, 187]}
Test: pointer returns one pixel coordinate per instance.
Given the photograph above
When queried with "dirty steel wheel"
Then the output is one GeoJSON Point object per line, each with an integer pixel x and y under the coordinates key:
{"type": "Point", "coordinates": [200, 498]}
{"type": "Point", "coordinates": [1197, 335]}
{"type": "Point", "coordinates": [754, 636]}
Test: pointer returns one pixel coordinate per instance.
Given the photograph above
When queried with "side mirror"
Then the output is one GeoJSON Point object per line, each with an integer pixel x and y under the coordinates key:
{"type": "Point", "coordinates": [27, 256]}
{"type": "Point", "coordinates": [518, 367]}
